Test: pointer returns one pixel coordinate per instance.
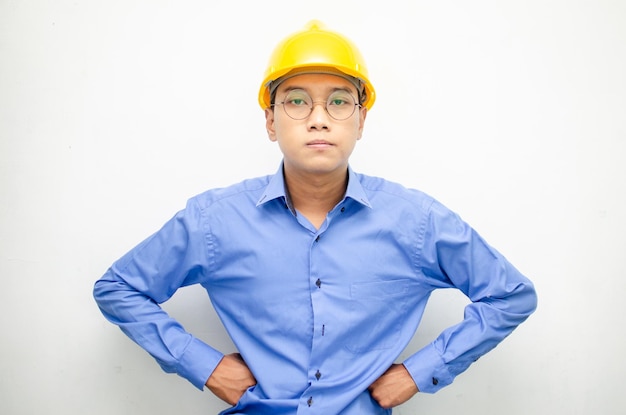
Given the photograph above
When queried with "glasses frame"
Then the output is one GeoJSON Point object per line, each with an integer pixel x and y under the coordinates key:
{"type": "Point", "coordinates": [325, 103]}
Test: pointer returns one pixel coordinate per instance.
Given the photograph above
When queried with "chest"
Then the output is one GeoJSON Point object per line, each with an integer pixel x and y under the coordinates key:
{"type": "Point", "coordinates": [275, 257]}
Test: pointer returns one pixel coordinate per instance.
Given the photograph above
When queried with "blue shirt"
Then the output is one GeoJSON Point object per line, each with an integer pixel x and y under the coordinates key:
{"type": "Point", "coordinates": [317, 314]}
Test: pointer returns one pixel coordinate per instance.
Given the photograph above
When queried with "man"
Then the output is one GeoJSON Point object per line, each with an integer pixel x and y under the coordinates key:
{"type": "Point", "coordinates": [319, 274]}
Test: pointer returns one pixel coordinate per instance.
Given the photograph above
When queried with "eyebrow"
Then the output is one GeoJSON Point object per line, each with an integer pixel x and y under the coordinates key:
{"type": "Point", "coordinates": [294, 87]}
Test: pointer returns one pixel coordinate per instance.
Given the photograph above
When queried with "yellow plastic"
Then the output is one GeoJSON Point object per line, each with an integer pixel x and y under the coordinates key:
{"type": "Point", "coordinates": [316, 47]}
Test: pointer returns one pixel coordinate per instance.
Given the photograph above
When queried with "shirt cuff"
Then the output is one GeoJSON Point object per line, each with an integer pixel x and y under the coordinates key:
{"type": "Point", "coordinates": [198, 362]}
{"type": "Point", "coordinates": [428, 370]}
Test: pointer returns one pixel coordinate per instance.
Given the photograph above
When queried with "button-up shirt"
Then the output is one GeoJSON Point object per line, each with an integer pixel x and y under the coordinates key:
{"type": "Point", "coordinates": [317, 314]}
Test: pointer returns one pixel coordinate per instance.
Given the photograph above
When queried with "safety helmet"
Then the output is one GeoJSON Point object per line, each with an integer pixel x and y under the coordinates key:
{"type": "Point", "coordinates": [321, 50]}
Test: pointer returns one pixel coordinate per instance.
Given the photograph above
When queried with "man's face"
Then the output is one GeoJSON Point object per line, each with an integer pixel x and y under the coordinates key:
{"type": "Point", "coordinates": [316, 144]}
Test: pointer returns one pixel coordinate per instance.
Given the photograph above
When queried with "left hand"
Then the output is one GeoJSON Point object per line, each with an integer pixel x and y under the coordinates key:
{"type": "Point", "coordinates": [230, 379]}
{"type": "Point", "coordinates": [394, 387]}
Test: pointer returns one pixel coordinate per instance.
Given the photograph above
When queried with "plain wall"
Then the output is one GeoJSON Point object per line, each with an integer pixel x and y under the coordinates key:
{"type": "Point", "coordinates": [114, 113]}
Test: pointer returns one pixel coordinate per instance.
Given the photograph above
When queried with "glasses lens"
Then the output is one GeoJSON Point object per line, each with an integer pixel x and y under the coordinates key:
{"type": "Point", "coordinates": [340, 105]}
{"type": "Point", "coordinates": [297, 104]}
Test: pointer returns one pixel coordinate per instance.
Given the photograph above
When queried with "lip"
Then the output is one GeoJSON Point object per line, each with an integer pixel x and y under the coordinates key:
{"type": "Point", "coordinates": [318, 143]}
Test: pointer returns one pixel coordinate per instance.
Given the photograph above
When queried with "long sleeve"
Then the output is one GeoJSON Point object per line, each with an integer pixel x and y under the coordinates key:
{"type": "Point", "coordinates": [131, 290]}
{"type": "Point", "coordinates": [317, 314]}
{"type": "Point", "coordinates": [454, 255]}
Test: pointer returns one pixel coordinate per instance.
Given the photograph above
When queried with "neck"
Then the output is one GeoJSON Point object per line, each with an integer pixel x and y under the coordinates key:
{"type": "Point", "coordinates": [315, 195]}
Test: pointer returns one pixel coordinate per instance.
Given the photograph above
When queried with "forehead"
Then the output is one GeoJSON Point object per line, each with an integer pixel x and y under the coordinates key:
{"type": "Point", "coordinates": [316, 84]}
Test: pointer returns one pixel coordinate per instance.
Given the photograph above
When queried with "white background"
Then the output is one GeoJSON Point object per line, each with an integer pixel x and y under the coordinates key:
{"type": "Point", "coordinates": [114, 113]}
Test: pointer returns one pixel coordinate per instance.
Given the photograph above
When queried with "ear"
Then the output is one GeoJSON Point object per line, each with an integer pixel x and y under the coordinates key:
{"type": "Point", "coordinates": [269, 124]}
{"type": "Point", "coordinates": [362, 115]}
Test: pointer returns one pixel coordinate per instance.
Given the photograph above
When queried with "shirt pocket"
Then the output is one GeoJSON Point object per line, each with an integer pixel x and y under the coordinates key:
{"type": "Point", "coordinates": [376, 314]}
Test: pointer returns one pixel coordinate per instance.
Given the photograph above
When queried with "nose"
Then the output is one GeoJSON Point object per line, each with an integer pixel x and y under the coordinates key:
{"type": "Point", "coordinates": [318, 118]}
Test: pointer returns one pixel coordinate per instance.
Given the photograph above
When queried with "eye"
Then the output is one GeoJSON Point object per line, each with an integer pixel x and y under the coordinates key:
{"type": "Point", "coordinates": [297, 101]}
{"type": "Point", "coordinates": [297, 98]}
{"type": "Point", "coordinates": [340, 99]}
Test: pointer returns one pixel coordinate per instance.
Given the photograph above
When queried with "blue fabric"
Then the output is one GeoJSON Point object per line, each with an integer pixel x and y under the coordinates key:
{"type": "Point", "coordinates": [318, 315]}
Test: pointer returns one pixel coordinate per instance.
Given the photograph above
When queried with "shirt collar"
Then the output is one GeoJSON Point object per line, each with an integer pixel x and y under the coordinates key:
{"type": "Point", "coordinates": [276, 189]}
{"type": "Point", "coordinates": [355, 190]}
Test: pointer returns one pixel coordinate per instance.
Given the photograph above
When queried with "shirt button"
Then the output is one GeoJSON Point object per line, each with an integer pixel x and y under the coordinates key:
{"type": "Point", "coordinates": [317, 239]}
{"type": "Point", "coordinates": [318, 283]}
{"type": "Point", "coordinates": [309, 401]}
{"type": "Point", "coordinates": [435, 381]}
{"type": "Point", "coordinates": [318, 375]}
{"type": "Point", "coordinates": [343, 209]}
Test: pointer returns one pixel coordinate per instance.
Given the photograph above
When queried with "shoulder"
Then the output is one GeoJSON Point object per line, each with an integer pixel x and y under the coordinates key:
{"type": "Point", "coordinates": [383, 191]}
{"type": "Point", "coordinates": [249, 189]}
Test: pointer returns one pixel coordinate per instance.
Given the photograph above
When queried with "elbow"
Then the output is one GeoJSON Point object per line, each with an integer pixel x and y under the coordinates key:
{"type": "Point", "coordinates": [526, 299]}
{"type": "Point", "coordinates": [99, 290]}
{"type": "Point", "coordinates": [107, 290]}
{"type": "Point", "coordinates": [532, 300]}
{"type": "Point", "coordinates": [102, 294]}
{"type": "Point", "coordinates": [112, 298]}
{"type": "Point", "coordinates": [102, 287]}
{"type": "Point", "coordinates": [518, 301]}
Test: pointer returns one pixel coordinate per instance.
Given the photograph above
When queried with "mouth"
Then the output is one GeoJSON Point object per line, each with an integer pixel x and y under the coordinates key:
{"type": "Point", "coordinates": [319, 144]}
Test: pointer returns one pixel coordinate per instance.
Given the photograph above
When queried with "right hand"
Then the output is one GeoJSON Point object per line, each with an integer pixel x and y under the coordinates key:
{"type": "Point", "coordinates": [230, 379]}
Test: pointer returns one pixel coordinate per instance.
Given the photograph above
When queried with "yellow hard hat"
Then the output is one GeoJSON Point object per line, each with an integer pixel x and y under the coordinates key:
{"type": "Point", "coordinates": [320, 49]}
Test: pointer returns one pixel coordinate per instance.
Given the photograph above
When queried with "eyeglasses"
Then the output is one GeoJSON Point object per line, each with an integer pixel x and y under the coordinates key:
{"type": "Point", "coordinates": [339, 105]}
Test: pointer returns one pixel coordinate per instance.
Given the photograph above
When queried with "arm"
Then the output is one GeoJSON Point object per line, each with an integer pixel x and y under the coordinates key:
{"type": "Point", "coordinates": [454, 255]}
{"type": "Point", "coordinates": [130, 292]}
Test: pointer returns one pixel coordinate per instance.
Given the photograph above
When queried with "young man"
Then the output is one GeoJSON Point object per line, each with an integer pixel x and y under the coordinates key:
{"type": "Point", "coordinates": [319, 274]}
